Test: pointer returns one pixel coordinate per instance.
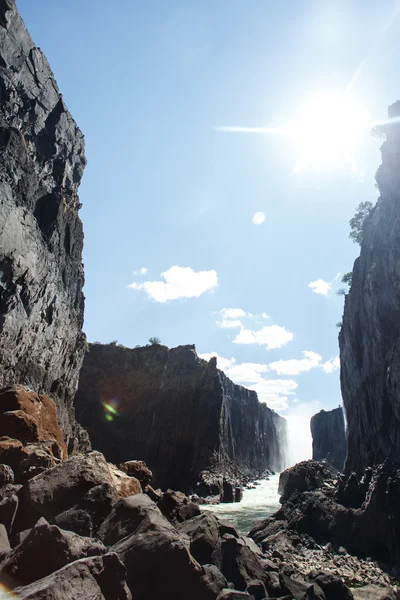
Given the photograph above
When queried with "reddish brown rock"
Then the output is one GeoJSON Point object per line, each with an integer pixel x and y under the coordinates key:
{"type": "Point", "coordinates": [138, 469]}
{"type": "Point", "coordinates": [28, 417]}
{"type": "Point", "coordinates": [12, 452]}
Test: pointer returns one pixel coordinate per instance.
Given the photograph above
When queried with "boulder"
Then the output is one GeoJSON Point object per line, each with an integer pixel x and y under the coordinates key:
{"type": "Point", "coordinates": [333, 587]}
{"type": "Point", "coordinates": [156, 556]}
{"type": "Point", "coordinates": [6, 475]}
{"type": "Point", "coordinates": [256, 588]}
{"type": "Point", "coordinates": [304, 476]}
{"type": "Point", "coordinates": [40, 458]}
{"type": "Point", "coordinates": [29, 417]}
{"type": "Point", "coordinates": [240, 564]}
{"type": "Point", "coordinates": [229, 594]}
{"type": "Point", "coordinates": [8, 510]}
{"type": "Point", "coordinates": [138, 469]}
{"type": "Point", "coordinates": [213, 579]}
{"type": "Point", "coordinates": [12, 452]}
{"type": "Point", "coordinates": [44, 550]}
{"type": "Point", "coordinates": [75, 519]}
{"type": "Point", "coordinates": [373, 592]}
{"type": "Point", "coordinates": [62, 487]}
{"type": "Point", "coordinates": [97, 578]}
{"type": "Point", "coordinates": [4, 542]}
{"type": "Point", "coordinates": [177, 507]}
{"type": "Point", "coordinates": [300, 589]}
{"type": "Point", "coordinates": [204, 535]}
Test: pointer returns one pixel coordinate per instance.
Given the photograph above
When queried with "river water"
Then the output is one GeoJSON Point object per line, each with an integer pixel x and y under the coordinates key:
{"type": "Point", "coordinates": [256, 504]}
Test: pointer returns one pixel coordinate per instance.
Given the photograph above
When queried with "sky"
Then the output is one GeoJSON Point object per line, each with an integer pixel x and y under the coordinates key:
{"type": "Point", "coordinates": [234, 241]}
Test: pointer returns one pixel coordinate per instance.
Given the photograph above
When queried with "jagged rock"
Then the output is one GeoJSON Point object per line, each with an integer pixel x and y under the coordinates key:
{"type": "Point", "coordinates": [332, 586]}
{"type": "Point", "coordinates": [12, 452]}
{"type": "Point", "coordinates": [4, 542]}
{"type": "Point", "coordinates": [75, 519]}
{"type": "Point", "coordinates": [177, 507]}
{"type": "Point", "coordinates": [304, 476]}
{"type": "Point", "coordinates": [300, 589]}
{"type": "Point", "coordinates": [28, 417]}
{"type": "Point", "coordinates": [240, 564]}
{"type": "Point", "coordinates": [97, 578]}
{"type": "Point", "coordinates": [41, 164]}
{"type": "Point", "coordinates": [39, 458]}
{"type": "Point", "coordinates": [213, 579]}
{"type": "Point", "coordinates": [62, 487]}
{"type": "Point", "coordinates": [369, 531]}
{"type": "Point", "coordinates": [256, 588]}
{"type": "Point", "coordinates": [138, 469]}
{"type": "Point", "coordinates": [368, 338]}
{"type": "Point", "coordinates": [329, 442]}
{"type": "Point", "coordinates": [126, 516]}
{"type": "Point", "coordinates": [156, 556]}
{"type": "Point", "coordinates": [204, 536]}
{"type": "Point", "coordinates": [153, 384]}
{"type": "Point", "coordinates": [234, 595]}
{"type": "Point", "coordinates": [374, 592]}
{"type": "Point", "coordinates": [8, 510]}
{"type": "Point", "coordinates": [6, 475]}
{"type": "Point", "coordinates": [44, 550]}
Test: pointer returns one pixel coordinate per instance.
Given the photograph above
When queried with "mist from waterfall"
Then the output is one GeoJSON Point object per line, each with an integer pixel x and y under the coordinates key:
{"type": "Point", "coordinates": [298, 419]}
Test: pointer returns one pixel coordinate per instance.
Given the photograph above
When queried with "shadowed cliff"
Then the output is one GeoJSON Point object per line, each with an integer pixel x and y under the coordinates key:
{"type": "Point", "coordinates": [177, 412]}
{"type": "Point", "coordinates": [41, 274]}
{"type": "Point", "coordinates": [369, 338]}
{"type": "Point", "coordinates": [329, 437]}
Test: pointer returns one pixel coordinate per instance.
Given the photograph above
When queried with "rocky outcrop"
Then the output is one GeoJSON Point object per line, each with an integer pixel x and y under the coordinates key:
{"type": "Point", "coordinates": [369, 338]}
{"type": "Point", "coordinates": [41, 273]}
{"type": "Point", "coordinates": [361, 515]}
{"type": "Point", "coordinates": [177, 412]}
{"type": "Point", "coordinates": [329, 437]}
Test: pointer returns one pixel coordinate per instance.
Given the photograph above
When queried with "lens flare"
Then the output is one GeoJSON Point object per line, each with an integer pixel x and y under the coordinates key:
{"type": "Point", "coordinates": [111, 411]}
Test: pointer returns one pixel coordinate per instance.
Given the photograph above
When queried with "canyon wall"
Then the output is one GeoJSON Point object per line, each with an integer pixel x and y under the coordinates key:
{"type": "Point", "coordinates": [370, 335]}
{"type": "Point", "coordinates": [41, 273]}
{"type": "Point", "coordinates": [177, 412]}
{"type": "Point", "coordinates": [329, 437]}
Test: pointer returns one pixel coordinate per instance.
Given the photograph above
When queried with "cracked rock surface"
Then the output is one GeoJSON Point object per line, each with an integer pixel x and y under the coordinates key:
{"type": "Point", "coordinates": [41, 273]}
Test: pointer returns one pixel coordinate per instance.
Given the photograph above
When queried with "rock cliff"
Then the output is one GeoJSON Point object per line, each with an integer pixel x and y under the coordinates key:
{"type": "Point", "coordinates": [41, 274]}
{"type": "Point", "coordinates": [329, 437]}
{"type": "Point", "coordinates": [369, 338]}
{"type": "Point", "coordinates": [177, 412]}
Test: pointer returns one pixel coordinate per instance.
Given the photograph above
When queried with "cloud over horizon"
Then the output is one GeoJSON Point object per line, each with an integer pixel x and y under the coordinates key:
{"type": "Point", "coordinates": [179, 282]}
{"type": "Point", "coordinates": [270, 336]}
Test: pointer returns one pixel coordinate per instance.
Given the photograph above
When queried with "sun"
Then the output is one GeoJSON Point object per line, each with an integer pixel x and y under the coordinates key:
{"type": "Point", "coordinates": [328, 131]}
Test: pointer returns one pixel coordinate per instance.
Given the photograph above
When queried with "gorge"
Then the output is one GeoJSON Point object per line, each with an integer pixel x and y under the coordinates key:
{"type": "Point", "coordinates": [72, 523]}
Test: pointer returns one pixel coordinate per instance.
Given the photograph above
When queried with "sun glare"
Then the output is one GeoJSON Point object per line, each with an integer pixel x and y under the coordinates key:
{"type": "Point", "coordinates": [328, 131]}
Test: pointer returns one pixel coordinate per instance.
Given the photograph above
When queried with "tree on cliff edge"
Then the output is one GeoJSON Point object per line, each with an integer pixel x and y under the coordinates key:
{"type": "Point", "coordinates": [357, 222]}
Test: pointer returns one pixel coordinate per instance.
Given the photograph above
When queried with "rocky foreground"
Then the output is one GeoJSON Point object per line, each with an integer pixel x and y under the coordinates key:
{"type": "Point", "coordinates": [80, 527]}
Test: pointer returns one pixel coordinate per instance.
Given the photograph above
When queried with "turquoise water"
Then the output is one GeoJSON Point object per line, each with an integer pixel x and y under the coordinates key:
{"type": "Point", "coordinates": [256, 504]}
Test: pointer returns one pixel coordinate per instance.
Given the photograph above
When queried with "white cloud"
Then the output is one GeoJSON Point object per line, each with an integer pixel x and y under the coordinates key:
{"type": "Point", "coordinates": [273, 392]}
{"type": "Point", "coordinates": [258, 218]}
{"type": "Point", "coordinates": [294, 366]}
{"type": "Point", "coordinates": [222, 363]}
{"type": "Point", "coordinates": [227, 324]}
{"type": "Point", "coordinates": [271, 336]}
{"type": "Point", "coordinates": [331, 365]}
{"type": "Point", "coordinates": [141, 271]}
{"type": "Point", "coordinates": [232, 313]}
{"type": "Point", "coordinates": [265, 316]}
{"type": "Point", "coordinates": [320, 287]}
{"type": "Point", "coordinates": [179, 282]}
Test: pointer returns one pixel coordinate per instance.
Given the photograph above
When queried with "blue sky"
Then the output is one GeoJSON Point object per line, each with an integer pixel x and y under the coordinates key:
{"type": "Point", "coordinates": [147, 84]}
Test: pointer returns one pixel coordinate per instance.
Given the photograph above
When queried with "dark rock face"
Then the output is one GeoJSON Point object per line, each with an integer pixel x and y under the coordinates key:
{"type": "Point", "coordinates": [369, 338]}
{"type": "Point", "coordinates": [177, 412]}
{"type": "Point", "coordinates": [41, 274]}
{"type": "Point", "coordinates": [362, 515]}
{"type": "Point", "coordinates": [329, 437]}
